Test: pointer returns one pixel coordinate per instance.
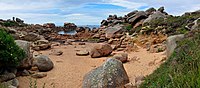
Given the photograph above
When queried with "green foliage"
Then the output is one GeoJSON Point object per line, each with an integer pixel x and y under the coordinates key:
{"type": "Point", "coordinates": [3, 85]}
{"type": "Point", "coordinates": [182, 69]}
{"type": "Point", "coordinates": [95, 40]}
{"type": "Point", "coordinates": [147, 30]}
{"type": "Point", "coordinates": [10, 53]}
{"type": "Point", "coordinates": [137, 30]}
{"type": "Point", "coordinates": [173, 24]}
{"type": "Point", "coordinates": [129, 27]}
{"type": "Point", "coordinates": [155, 23]}
{"type": "Point", "coordinates": [182, 30]}
{"type": "Point", "coordinates": [9, 24]}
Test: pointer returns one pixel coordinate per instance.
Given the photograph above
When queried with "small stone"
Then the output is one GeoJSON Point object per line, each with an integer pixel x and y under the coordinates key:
{"type": "Point", "coordinates": [123, 46]}
{"type": "Point", "coordinates": [34, 68]}
{"type": "Point", "coordinates": [14, 83]}
{"type": "Point", "coordinates": [55, 44]}
{"type": "Point", "coordinates": [56, 52]}
{"type": "Point", "coordinates": [59, 61]}
{"type": "Point", "coordinates": [139, 80]}
{"type": "Point", "coordinates": [25, 73]}
{"type": "Point", "coordinates": [82, 53]}
{"type": "Point", "coordinates": [81, 43]}
{"type": "Point", "coordinates": [39, 75]}
{"type": "Point", "coordinates": [32, 72]}
{"type": "Point", "coordinates": [123, 57]}
{"type": "Point", "coordinates": [114, 47]}
{"type": "Point", "coordinates": [129, 85]}
{"type": "Point", "coordinates": [120, 49]}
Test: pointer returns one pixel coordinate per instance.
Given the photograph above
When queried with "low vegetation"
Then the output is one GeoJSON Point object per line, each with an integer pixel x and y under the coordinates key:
{"type": "Point", "coordinates": [172, 24]}
{"type": "Point", "coordinates": [128, 27]}
{"type": "Point", "coordinates": [182, 69]}
{"type": "Point", "coordinates": [9, 24]}
{"type": "Point", "coordinates": [10, 53]}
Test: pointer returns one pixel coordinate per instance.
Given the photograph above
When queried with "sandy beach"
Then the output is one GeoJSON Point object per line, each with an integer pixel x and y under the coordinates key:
{"type": "Point", "coordinates": [69, 69]}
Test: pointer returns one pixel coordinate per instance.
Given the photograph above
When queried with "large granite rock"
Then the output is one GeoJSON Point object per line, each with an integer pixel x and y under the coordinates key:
{"type": "Point", "coordinates": [70, 26]}
{"type": "Point", "coordinates": [150, 11]}
{"type": "Point", "coordinates": [154, 16]}
{"type": "Point", "coordinates": [110, 75]}
{"type": "Point", "coordinates": [43, 63]}
{"type": "Point", "coordinates": [6, 77]}
{"type": "Point", "coordinates": [27, 62]}
{"type": "Point", "coordinates": [31, 37]}
{"type": "Point", "coordinates": [161, 9]}
{"type": "Point", "coordinates": [49, 25]}
{"type": "Point", "coordinates": [137, 17]}
{"type": "Point", "coordinates": [14, 83]}
{"type": "Point", "coordinates": [132, 13]}
{"type": "Point", "coordinates": [112, 32]}
{"type": "Point", "coordinates": [171, 43]}
{"type": "Point", "coordinates": [196, 25]}
{"type": "Point", "coordinates": [41, 45]}
{"type": "Point", "coordinates": [80, 29]}
{"type": "Point", "coordinates": [101, 50]}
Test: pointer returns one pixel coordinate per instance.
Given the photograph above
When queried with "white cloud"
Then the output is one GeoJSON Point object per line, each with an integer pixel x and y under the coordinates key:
{"type": "Point", "coordinates": [42, 11]}
{"type": "Point", "coordinates": [26, 4]}
{"type": "Point", "coordinates": [83, 19]}
{"type": "Point", "coordinates": [175, 7]}
{"type": "Point", "coordinates": [125, 3]}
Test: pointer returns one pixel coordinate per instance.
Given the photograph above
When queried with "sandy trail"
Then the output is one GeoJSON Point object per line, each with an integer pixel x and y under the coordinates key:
{"type": "Point", "coordinates": [69, 69]}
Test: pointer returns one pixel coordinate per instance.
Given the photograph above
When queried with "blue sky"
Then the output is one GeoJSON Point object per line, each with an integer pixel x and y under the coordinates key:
{"type": "Point", "coordinates": [83, 12]}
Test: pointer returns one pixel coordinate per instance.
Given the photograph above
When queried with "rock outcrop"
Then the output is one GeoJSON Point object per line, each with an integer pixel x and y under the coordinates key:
{"type": "Point", "coordinates": [49, 25]}
{"type": "Point", "coordinates": [101, 50]}
{"type": "Point", "coordinates": [196, 25]}
{"type": "Point", "coordinates": [31, 37]}
{"type": "Point", "coordinates": [110, 75]}
{"type": "Point", "coordinates": [154, 16]}
{"type": "Point", "coordinates": [41, 45]}
{"type": "Point", "coordinates": [27, 62]}
{"type": "Point", "coordinates": [70, 26]}
{"type": "Point", "coordinates": [116, 31]}
{"type": "Point", "coordinates": [171, 43]}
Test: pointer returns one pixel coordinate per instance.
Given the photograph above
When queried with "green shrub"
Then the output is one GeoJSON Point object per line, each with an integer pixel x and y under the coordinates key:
{"type": "Point", "coordinates": [9, 24]}
{"type": "Point", "coordinates": [182, 69]}
{"type": "Point", "coordinates": [137, 29]}
{"type": "Point", "coordinates": [173, 24]}
{"type": "Point", "coordinates": [10, 53]}
{"type": "Point", "coordinates": [95, 40]}
{"type": "Point", "coordinates": [129, 27]}
{"type": "Point", "coordinates": [3, 85]}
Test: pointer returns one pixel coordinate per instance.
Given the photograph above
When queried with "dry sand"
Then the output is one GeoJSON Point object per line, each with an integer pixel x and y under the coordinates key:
{"type": "Point", "coordinates": [69, 69]}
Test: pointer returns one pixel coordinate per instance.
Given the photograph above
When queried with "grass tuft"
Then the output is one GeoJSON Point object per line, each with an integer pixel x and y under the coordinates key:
{"type": "Point", "coordinates": [182, 69]}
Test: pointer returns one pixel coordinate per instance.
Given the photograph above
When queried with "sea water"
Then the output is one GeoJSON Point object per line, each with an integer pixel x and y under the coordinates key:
{"type": "Point", "coordinates": [74, 32]}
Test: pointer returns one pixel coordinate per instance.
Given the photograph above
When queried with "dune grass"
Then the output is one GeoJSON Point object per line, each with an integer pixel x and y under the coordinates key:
{"type": "Point", "coordinates": [182, 69]}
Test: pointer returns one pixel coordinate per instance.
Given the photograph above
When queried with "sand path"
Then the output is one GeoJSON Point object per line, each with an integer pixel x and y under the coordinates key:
{"type": "Point", "coordinates": [69, 69]}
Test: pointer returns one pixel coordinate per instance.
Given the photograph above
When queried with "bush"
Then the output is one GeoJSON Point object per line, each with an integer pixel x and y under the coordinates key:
{"type": "Point", "coordinates": [9, 24]}
{"type": "Point", "coordinates": [129, 27]}
{"type": "Point", "coordinates": [10, 53]}
{"type": "Point", "coordinates": [182, 69]}
{"type": "Point", "coordinates": [173, 24]}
